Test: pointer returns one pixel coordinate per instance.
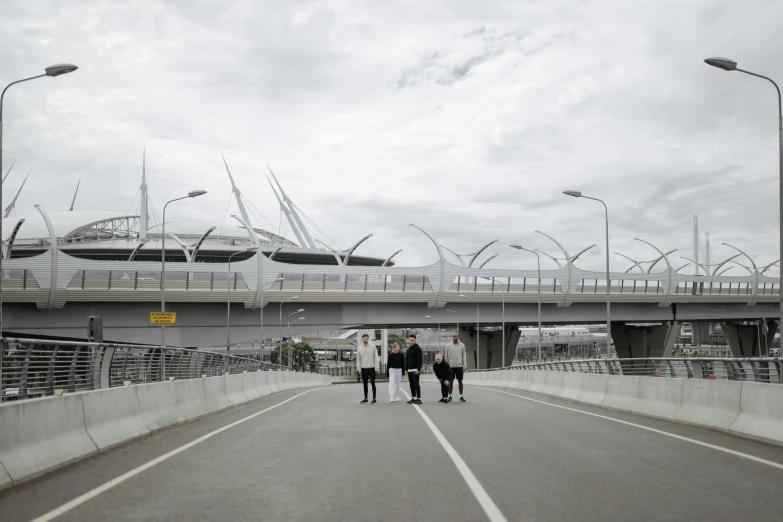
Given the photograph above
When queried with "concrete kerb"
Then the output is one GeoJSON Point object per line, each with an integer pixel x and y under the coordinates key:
{"type": "Point", "coordinates": [215, 393]}
{"type": "Point", "coordinates": [658, 397]}
{"type": "Point", "coordinates": [622, 392]}
{"type": "Point", "coordinates": [553, 383]}
{"type": "Point", "coordinates": [112, 416]}
{"type": "Point", "coordinates": [515, 379]}
{"type": "Point", "coordinates": [261, 384]}
{"type": "Point", "coordinates": [761, 412]}
{"type": "Point", "coordinates": [190, 398]}
{"type": "Point", "coordinates": [299, 380]}
{"type": "Point", "coordinates": [285, 381]}
{"type": "Point", "coordinates": [593, 389]}
{"type": "Point", "coordinates": [158, 405]}
{"type": "Point", "coordinates": [710, 403]}
{"type": "Point", "coordinates": [537, 381]}
{"type": "Point", "coordinates": [505, 377]}
{"type": "Point", "coordinates": [40, 435]}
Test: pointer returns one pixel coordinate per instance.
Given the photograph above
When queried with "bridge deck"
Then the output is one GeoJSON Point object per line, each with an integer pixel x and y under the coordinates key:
{"type": "Point", "coordinates": [319, 455]}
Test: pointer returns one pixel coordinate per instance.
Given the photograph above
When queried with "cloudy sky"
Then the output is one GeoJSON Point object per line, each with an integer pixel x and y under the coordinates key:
{"type": "Point", "coordinates": [467, 118]}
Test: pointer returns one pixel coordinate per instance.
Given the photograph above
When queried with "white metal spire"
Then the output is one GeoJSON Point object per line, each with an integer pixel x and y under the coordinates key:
{"type": "Point", "coordinates": [73, 201]}
{"type": "Point", "coordinates": [242, 210]}
{"type": "Point", "coordinates": [13, 201]}
{"type": "Point", "coordinates": [292, 208]}
{"type": "Point", "coordinates": [143, 200]}
{"type": "Point", "coordinates": [287, 214]}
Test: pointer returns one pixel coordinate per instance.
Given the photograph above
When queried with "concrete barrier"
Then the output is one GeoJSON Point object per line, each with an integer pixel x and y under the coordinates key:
{"type": "Point", "coordinates": [593, 389]}
{"type": "Point", "coordinates": [285, 381]}
{"type": "Point", "coordinates": [538, 381]}
{"type": "Point", "coordinates": [39, 435]}
{"type": "Point", "coordinates": [249, 386]}
{"type": "Point", "coordinates": [525, 380]}
{"type": "Point", "coordinates": [215, 393]}
{"type": "Point", "coordinates": [158, 405]}
{"type": "Point", "coordinates": [553, 383]}
{"type": "Point", "coordinates": [515, 378]}
{"type": "Point", "coordinates": [190, 398]}
{"type": "Point", "coordinates": [299, 381]}
{"type": "Point", "coordinates": [571, 386]}
{"type": "Point", "coordinates": [261, 384]}
{"type": "Point", "coordinates": [235, 389]}
{"type": "Point", "coordinates": [112, 416]}
{"type": "Point", "coordinates": [273, 380]}
{"type": "Point", "coordinates": [622, 392]}
{"type": "Point", "coordinates": [761, 412]}
{"type": "Point", "coordinates": [658, 397]}
{"type": "Point", "coordinates": [709, 403]}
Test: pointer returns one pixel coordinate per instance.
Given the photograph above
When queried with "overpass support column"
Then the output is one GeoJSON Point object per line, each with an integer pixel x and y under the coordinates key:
{"type": "Point", "coordinates": [746, 339]}
{"type": "Point", "coordinates": [642, 342]}
{"type": "Point", "coordinates": [491, 346]}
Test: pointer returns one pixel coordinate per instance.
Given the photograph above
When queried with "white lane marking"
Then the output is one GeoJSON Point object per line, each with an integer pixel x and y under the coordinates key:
{"type": "Point", "coordinates": [484, 500]}
{"type": "Point", "coordinates": [68, 506]}
{"type": "Point", "coordinates": [653, 430]}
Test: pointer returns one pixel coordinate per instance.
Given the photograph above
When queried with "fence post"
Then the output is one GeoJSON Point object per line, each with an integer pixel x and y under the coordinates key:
{"type": "Point", "coordinates": [49, 386]}
{"type": "Point", "coordinates": [25, 367]}
{"type": "Point", "coordinates": [108, 355]}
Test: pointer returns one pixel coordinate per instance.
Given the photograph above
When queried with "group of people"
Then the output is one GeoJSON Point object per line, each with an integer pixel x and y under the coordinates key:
{"type": "Point", "coordinates": [447, 368]}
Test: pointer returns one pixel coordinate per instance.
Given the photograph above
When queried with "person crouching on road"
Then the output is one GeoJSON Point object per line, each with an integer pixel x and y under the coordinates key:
{"type": "Point", "coordinates": [413, 361]}
{"type": "Point", "coordinates": [366, 362]}
{"type": "Point", "coordinates": [395, 366]}
{"type": "Point", "coordinates": [443, 374]}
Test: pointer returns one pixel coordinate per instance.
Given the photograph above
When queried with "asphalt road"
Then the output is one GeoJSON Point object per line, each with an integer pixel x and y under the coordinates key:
{"type": "Point", "coordinates": [323, 456]}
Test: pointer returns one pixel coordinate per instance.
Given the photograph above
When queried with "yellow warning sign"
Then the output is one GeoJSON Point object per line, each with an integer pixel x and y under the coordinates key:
{"type": "Point", "coordinates": [163, 317]}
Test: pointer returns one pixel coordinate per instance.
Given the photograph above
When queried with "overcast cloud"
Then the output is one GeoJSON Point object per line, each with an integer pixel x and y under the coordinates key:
{"type": "Point", "coordinates": [467, 118]}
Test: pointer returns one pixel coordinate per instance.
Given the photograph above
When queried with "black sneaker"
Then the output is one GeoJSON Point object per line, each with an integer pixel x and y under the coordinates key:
{"type": "Point", "coordinates": [374, 401]}
{"type": "Point", "coordinates": [411, 401]}
{"type": "Point", "coordinates": [362, 402]}
{"type": "Point", "coordinates": [462, 399]}
{"type": "Point", "coordinates": [417, 401]}
{"type": "Point", "coordinates": [449, 398]}
{"type": "Point", "coordinates": [445, 401]}
{"type": "Point", "coordinates": [442, 400]}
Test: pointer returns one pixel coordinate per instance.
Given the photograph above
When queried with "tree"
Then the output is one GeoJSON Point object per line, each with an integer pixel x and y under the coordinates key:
{"type": "Point", "coordinates": [396, 338]}
{"type": "Point", "coordinates": [303, 357]}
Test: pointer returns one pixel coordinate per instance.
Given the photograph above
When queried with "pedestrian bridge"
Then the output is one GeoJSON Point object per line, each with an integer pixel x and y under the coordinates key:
{"type": "Point", "coordinates": [527, 445]}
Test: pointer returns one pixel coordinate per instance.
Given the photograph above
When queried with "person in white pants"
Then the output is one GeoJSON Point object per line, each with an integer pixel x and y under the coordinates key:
{"type": "Point", "coordinates": [395, 364]}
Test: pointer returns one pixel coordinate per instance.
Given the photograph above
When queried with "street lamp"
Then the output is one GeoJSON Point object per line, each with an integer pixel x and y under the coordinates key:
{"type": "Point", "coordinates": [280, 326]}
{"type": "Point", "coordinates": [577, 194]}
{"type": "Point", "coordinates": [228, 301]}
{"type": "Point", "coordinates": [270, 283]}
{"type": "Point", "coordinates": [439, 332]}
{"type": "Point", "coordinates": [289, 332]}
{"type": "Point", "coordinates": [52, 70]}
{"type": "Point", "coordinates": [455, 313]}
{"type": "Point", "coordinates": [191, 194]}
{"type": "Point", "coordinates": [503, 326]}
{"type": "Point", "coordinates": [538, 263]}
{"type": "Point", "coordinates": [478, 334]}
{"type": "Point", "coordinates": [731, 65]}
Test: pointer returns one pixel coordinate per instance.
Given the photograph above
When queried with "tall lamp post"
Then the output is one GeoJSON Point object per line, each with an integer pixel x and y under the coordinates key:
{"type": "Point", "coordinates": [289, 333]}
{"type": "Point", "coordinates": [228, 301]}
{"type": "Point", "coordinates": [455, 313]}
{"type": "Point", "coordinates": [280, 326]}
{"type": "Point", "coordinates": [52, 70]}
{"type": "Point", "coordinates": [538, 264]}
{"type": "Point", "coordinates": [290, 322]}
{"type": "Point", "coordinates": [270, 283]}
{"type": "Point", "coordinates": [191, 194]}
{"type": "Point", "coordinates": [577, 194]}
{"type": "Point", "coordinates": [731, 65]}
{"type": "Point", "coordinates": [503, 325]}
{"type": "Point", "coordinates": [478, 330]}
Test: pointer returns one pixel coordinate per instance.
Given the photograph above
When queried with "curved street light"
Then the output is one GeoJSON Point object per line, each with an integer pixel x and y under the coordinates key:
{"type": "Point", "coordinates": [730, 65]}
{"type": "Point", "coordinates": [228, 299]}
{"type": "Point", "coordinates": [52, 70]}
{"type": "Point", "coordinates": [538, 264]}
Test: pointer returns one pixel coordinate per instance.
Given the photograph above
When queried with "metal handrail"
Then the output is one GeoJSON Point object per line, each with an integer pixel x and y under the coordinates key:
{"type": "Point", "coordinates": [36, 368]}
{"type": "Point", "coordinates": [755, 369]}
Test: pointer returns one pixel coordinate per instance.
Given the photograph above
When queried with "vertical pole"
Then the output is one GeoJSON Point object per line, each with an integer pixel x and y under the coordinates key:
{"type": "Point", "coordinates": [228, 307]}
{"type": "Point", "coordinates": [280, 331]}
{"type": "Point", "coordinates": [780, 209]}
{"type": "Point", "coordinates": [289, 341]}
{"type": "Point", "coordinates": [538, 261]}
{"type": "Point", "coordinates": [503, 349]}
{"type": "Point", "coordinates": [608, 296]}
{"type": "Point", "coordinates": [478, 337]}
{"type": "Point", "coordinates": [163, 279]}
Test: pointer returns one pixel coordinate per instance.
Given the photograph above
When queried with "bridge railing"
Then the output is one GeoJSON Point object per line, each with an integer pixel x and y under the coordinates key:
{"type": "Point", "coordinates": [36, 368]}
{"type": "Point", "coordinates": [762, 369]}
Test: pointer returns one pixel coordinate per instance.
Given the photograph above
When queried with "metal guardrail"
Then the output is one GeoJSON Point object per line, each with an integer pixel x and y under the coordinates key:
{"type": "Point", "coordinates": [760, 369]}
{"type": "Point", "coordinates": [36, 368]}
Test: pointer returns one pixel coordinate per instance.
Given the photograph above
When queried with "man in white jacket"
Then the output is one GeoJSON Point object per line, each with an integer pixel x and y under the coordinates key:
{"type": "Point", "coordinates": [366, 364]}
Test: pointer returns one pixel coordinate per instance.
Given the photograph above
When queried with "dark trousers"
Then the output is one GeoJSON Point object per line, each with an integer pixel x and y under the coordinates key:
{"type": "Point", "coordinates": [444, 390]}
{"type": "Point", "coordinates": [368, 373]}
{"type": "Point", "coordinates": [415, 388]}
